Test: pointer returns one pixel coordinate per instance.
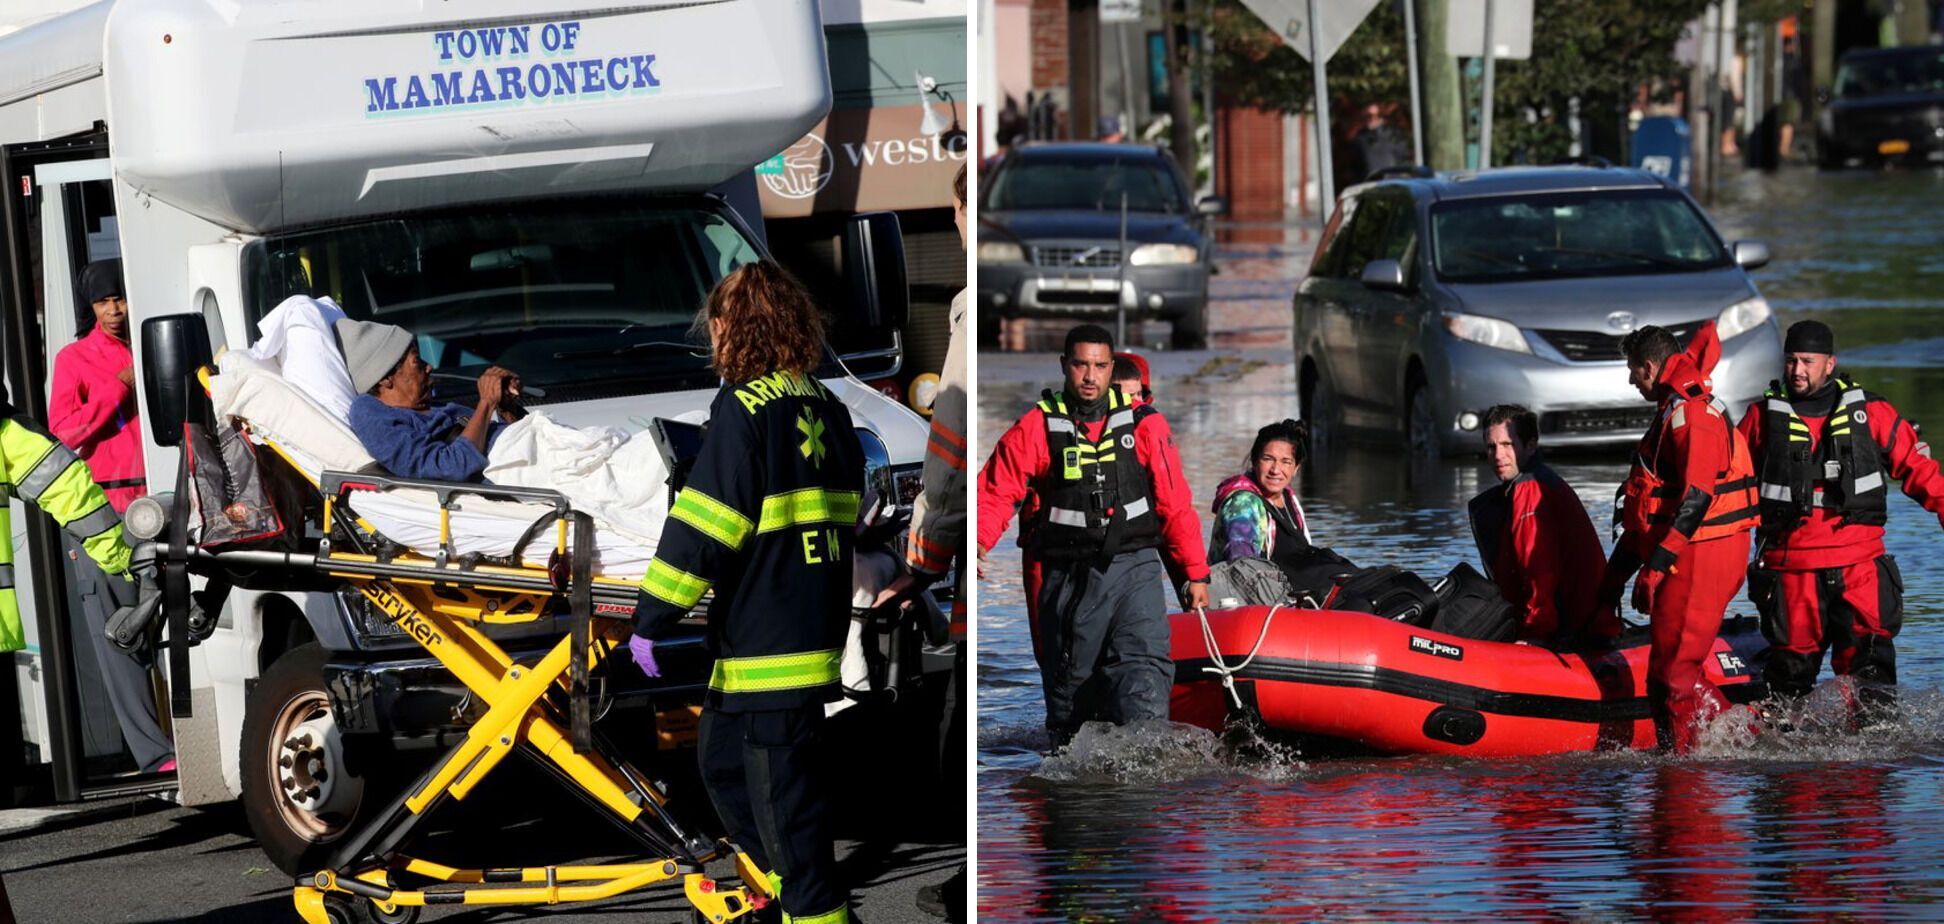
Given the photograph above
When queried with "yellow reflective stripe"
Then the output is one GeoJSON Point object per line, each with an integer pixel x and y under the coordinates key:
{"type": "Point", "coordinates": [776, 672]}
{"type": "Point", "coordinates": [667, 582]}
{"type": "Point", "coordinates": [711, 517]}
{"type": "Point", "coordinates": [840, 916]}
{"type": "Point", "coordinates": [809, 507]}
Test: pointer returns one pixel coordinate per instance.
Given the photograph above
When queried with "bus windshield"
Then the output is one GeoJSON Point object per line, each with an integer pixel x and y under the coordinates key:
{"type": "Point", "coordinates": [585, 299]}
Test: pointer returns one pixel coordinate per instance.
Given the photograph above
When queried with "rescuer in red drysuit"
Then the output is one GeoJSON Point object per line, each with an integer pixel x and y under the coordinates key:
{"type": "Point", "coordinates": [1826, 451]}
{"type": "Point", "coordinates": [1688, 505]}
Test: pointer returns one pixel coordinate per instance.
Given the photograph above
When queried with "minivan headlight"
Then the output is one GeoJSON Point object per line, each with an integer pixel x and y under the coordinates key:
{"type": "Point", "coordinates": [1491, 332]}
{"type": "Point", "coordinates": [1162, 255]}
{"type": "Point", "coordinates": [1001, 252]}
{"type": "Point", "coordinates": [1742, 317]}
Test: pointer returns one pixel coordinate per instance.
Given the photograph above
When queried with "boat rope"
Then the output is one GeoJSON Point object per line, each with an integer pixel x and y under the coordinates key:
{"type": "Point", "coordinates": [1226, 672]}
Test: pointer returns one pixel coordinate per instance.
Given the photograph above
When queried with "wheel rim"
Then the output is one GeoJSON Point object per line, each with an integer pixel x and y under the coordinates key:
{"type": "Point", "coordinates": [314, 795]}
{"type": "Point", "coordinates": [1423, 425]}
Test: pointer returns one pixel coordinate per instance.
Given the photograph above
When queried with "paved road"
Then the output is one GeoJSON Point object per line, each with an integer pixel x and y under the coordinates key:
{"type": "Point", "coordinates": [154, 862]}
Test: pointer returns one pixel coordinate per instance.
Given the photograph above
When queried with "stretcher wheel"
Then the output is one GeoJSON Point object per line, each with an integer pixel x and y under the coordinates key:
{"type": "Point", "coordinates": [406, 914]}
{"type": "Point", "coordinates": [341, 910]}
{"type": "Point", "coordinates": [297, 795]}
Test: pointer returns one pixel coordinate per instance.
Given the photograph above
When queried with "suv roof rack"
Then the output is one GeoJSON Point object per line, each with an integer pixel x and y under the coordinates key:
{"type": "Point", "coordinates": [1414, 171]}
{"type": "Point", "coordinates": [1584, 160]}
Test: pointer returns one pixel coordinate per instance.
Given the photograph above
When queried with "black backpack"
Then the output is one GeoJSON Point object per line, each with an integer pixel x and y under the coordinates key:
{"type": "Point", "coordinates": [1470, 606]}
{"type": "Point", "coordinates": [1387, 591]}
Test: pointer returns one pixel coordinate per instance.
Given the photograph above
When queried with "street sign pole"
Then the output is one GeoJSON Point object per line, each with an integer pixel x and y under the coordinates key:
{"type": "Point", "coordinates": [1326, 183]}
{"type": "Point", "coordinates": [1485, 117]}
{"type": "Point", "coordinates": [1411, 60]}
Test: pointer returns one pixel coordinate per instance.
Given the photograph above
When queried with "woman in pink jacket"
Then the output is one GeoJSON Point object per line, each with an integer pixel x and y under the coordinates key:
{"type": "Point", "coordinates": [93, 406]}
{"type": "Point", "coordinates": [92, 411]}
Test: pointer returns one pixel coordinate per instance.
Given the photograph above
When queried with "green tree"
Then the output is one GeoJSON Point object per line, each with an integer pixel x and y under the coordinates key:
{"type": "Point", "coordinates": [1597, 51]}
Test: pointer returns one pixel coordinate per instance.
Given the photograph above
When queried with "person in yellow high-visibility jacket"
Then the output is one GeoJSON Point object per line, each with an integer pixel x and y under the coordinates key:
{"type": "Point", "coordinates": [36, 468]}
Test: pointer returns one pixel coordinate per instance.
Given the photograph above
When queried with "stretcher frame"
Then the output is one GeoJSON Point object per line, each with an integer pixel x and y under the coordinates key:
{"type": "Point", "coordinates": [542, 709]}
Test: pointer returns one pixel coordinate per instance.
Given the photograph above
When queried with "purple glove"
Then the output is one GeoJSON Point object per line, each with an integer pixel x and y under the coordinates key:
{"type": "Point", "coordinates": [643, 651]}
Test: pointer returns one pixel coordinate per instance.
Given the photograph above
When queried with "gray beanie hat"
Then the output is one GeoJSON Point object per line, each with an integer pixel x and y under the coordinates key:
{"type": "Point", "coordinates": [371, 350]}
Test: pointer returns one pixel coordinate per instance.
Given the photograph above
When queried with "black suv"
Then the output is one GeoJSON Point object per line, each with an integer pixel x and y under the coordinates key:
{"type": "Point", "coordinates": [1052, 243]}
{"type": "Point", "coordinates": [1887, 107]}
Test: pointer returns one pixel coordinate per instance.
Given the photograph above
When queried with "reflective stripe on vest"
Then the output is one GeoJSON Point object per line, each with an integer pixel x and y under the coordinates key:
{"type": "Point", "coordinates": [775, 673]}
{"type": "Point", "coordinates": [1646, 499]}
{"type": "Point", "coordinates": [1847, 459]}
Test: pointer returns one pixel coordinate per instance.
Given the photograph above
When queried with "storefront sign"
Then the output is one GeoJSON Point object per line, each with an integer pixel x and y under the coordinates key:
{"type": "Point", "coordinates": [862, 160]}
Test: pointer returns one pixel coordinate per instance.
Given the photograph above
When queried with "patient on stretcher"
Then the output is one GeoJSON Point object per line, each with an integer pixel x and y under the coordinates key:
{"type": "Point", "coordinates": [295, 387]}
{"type": "Point", "coordinates": [393, 414]}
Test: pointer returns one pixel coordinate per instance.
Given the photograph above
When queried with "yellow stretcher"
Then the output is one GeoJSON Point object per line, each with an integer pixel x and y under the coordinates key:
{"type": "Point", "coordinates": [442, 601]}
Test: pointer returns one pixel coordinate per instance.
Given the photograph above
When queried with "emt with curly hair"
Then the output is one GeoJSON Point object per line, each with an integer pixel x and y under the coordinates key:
{"type": "Point", "coordinates": [766, 521]}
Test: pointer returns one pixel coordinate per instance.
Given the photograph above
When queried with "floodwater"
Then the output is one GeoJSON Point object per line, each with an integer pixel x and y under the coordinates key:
{"type": "Point", "coordinates": [1174, 823]}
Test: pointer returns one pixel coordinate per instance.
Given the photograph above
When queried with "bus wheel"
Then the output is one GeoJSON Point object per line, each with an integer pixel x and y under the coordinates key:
{"type": "Point", "coordinates": [297, 795]}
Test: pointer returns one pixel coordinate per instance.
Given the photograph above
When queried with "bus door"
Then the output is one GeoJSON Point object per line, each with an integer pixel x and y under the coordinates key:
{"type": "Point", "coordinates": [60, 216]}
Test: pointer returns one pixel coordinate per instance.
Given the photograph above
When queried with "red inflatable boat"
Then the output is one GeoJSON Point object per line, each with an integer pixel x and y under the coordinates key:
{"type": "Point", "coordinates": [1393, 688]}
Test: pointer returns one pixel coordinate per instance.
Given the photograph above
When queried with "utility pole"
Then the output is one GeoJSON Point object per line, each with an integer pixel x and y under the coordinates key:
{"type": "Point", "coordinates": [1444, 138]}
{"type": "Point", "coordinates": [1485, 105]}
{"type": "Point", "coordinates": [1325, 179]}
{"type": "Point", "coordinates": [1181, 127]}
{"type": "Point", "coordinates": [1411, 70]}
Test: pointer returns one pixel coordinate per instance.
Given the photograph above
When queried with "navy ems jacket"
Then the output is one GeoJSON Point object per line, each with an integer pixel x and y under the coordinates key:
{"type": "Point", "coordinates": [767, 520]}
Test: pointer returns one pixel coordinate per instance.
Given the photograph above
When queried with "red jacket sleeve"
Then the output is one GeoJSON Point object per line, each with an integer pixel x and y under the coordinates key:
{"type": "Point", "coordinates": [1181, 535]}
{"type": "Point", "coordinates": [1008, 474]}
{"type": "Point", "coordinates": [1751, 430]}
{"type": "Point", "coordinates": [1909, 457]}
{"type": "Point", "coordinates": [1535, 546]}
{"type": "Point", "coordinates": [82, 407]}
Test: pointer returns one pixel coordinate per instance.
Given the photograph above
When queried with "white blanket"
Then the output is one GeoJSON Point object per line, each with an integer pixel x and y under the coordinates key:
{"type": "Point", "coordinates": [622, 482]}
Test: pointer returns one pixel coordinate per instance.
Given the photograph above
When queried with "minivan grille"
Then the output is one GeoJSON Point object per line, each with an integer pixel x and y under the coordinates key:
{"type": "Point", "coordinates": [1602, 420]}
{"type": "Point", "coordinates": [1585, 346]}
{"type": "Point", "coordinates": [1065, 257]}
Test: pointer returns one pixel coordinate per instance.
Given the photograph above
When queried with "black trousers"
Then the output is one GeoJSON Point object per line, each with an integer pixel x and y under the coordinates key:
{"type": "Point", "coordinates": [760, 770]}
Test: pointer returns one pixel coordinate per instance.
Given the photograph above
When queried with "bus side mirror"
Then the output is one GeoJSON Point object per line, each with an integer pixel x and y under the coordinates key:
{"type": "Point", "coordinates": [173, 348]}
{"type": "Point", "coordinates": [874, 270]}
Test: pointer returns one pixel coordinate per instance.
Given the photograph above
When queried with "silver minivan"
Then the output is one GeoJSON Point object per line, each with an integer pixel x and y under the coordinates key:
{"type": "Point", "coordinates": [1432, 297]}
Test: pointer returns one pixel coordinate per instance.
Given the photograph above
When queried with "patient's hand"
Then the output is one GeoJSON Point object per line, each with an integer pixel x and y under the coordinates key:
{"type": "Point", "coordinates": [495, 384]}
{"type": "Point", "coordinates": [127, 375]}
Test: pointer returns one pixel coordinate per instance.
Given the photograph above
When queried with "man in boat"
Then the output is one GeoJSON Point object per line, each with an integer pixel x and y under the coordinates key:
{"type": "Point", "coordinates": [1825, 449]}
{"type": "Point", "coordinates": [1536, 541]}
{"type": "Point", "coordinates": [1110, 491]}
{"type": "Point", "coordinates": [1688, 505]}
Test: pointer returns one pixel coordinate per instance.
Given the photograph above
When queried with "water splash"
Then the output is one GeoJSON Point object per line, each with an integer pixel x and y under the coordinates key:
{"type": "Point", "coordinates": [1835, 722]}
{"type": "Point", "coordinates": [1165, 752]}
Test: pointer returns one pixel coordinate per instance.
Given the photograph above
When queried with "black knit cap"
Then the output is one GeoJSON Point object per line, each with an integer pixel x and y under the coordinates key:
{"type": "Point", "coordinates": [101, 279]}
{"type": "Point", "coordinates": [1809, 337]}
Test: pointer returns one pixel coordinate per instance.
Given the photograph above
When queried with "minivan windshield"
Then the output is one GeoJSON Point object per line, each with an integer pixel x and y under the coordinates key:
{"type": "Point", "coordinates": [1093, 183]}
{"type": "Point", "coordinates": [1563, 235]}
{"type": "Point", "coordinates": [585, 299]}
{"type": "Point", "coordinates": [1916, 70]}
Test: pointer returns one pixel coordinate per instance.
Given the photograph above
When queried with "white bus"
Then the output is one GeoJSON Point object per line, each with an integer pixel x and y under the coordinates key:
{"type": "Point", "coordinates": [490, 176]}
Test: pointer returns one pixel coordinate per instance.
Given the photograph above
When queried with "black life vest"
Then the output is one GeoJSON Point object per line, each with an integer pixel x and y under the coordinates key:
{"type": "Point", "coordinates": [1847, 460]}
{"type": "Point", "coordinates": [1096, 499]}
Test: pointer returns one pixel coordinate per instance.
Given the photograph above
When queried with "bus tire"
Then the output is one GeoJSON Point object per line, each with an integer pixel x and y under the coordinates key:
{"type": "Point", "coordinates": [297, 796]}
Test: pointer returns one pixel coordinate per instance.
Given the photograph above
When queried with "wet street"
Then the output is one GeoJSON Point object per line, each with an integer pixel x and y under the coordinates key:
{"type": "Point", "coordinates": [1172, 823]}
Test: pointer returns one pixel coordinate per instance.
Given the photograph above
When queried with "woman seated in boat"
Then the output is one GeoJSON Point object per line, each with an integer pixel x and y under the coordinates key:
{"type": "Point", "coordinates": [1257, 514]}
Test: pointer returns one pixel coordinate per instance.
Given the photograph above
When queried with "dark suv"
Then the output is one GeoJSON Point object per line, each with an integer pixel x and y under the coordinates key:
{"type": "Point", "coordinates": [1051, 241]}
{"type": "Point", "coordinates": [1887, 107]}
